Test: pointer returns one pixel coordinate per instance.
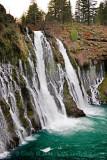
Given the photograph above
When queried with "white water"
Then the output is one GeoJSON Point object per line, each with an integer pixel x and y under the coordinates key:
{"type": "Point", "coordinates": [92, 78]}
{"type": "Point", "coordinates": [97, 80]}
{"type": "Point", "coordinates": [72, 78]}
{"type": "Point", "coordinates": [8, 85]}
{"type": "Point", "coordinates": [49, 109]}
{"type": "Point", "coordinates": [50, 116]}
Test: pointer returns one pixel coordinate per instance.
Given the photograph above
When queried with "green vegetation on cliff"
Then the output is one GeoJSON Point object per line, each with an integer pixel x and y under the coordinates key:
{"type": "Point", "coordinates": [70, 105]}
{"type": "Point", "coordinates": [103, 90]}
{"type": "Point", "coordinates": [12, 47]}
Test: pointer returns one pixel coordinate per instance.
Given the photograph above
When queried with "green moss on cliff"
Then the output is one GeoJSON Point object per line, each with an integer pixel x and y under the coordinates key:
{"type": "Point", "coordinates": [67, 100]}
{"type": "Point", "coordinates": [89, 93]}
{"type": "Point", "coordinates": [58, 58]}
{"type": "Point", "coordinates": [5, 109]}
{"type": "Point", "coordinates": [12, 47]}
{"type": "Point", "coordinates": [74, 35]}
{"type": "Point", "coordinates": [6, 112]}
{"type": "Point", "coordinates": [21, 110]}
{"type": "Point", "coordinates": [103, 90]}
{"type": "Point", "coordinates": [70, 105]}
{"type": "Point", "coordinates": [72, 60]}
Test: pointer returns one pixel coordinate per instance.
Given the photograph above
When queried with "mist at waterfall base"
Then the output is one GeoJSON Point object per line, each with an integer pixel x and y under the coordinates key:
{"type": "Point", "coordinates": [61, 137]}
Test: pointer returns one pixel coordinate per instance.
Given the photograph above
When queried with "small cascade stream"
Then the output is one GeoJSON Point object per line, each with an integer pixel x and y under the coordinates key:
{"type": "Point", "coordinates": [91, 79]}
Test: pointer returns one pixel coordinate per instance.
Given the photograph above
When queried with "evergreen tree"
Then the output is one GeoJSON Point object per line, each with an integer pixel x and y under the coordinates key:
{"type": "Point", "coordinates": [105, 12]}
{"type": "Point", "coordinates": [23, 19]}
{"type": "Point", "coordinates": [102, 13]}
{"type": "Point", "coordinates": [33, 15]}
{"type": "Point", "coordinates": [78, 13]}
{"type": "Point", "coordinates": [85, 11]}
{"type": "Point", "coordinates": [59, 10]}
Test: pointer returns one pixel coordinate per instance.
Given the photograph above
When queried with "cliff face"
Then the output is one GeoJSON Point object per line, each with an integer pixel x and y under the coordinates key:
{"type": "Point", "coordinates": [86, 44]}
{"type": "Point", "coordinates": [12, 46]}
{"type": "Point", "coordinates": [18, 106]}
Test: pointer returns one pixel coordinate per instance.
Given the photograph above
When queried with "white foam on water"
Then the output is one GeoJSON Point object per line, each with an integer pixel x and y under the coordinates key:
{"type": "Point", "coordinates": [4, 155]}
{"type": "Point", "coordinates": [46, 149]}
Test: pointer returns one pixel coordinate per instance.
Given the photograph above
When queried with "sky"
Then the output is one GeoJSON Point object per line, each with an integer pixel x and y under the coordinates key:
{"type": "Point", "coordinates": [18, 7]}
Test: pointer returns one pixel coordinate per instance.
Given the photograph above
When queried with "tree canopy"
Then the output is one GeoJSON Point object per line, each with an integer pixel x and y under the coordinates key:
{"type": "Point", "coordinates": [102, 13]}
{"type": "Point", "coordinates": [33, 15]}
{"type": "Point", "coordinates": [59, 10]}
{"type": "Point", "coordinates": [85, 11]}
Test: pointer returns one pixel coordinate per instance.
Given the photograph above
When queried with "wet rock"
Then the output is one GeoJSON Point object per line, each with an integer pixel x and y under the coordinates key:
{"type": "Point", "coordinates": [70, 105]}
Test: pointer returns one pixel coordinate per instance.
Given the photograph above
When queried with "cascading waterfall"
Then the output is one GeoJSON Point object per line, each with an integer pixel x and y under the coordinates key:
{"type": "Point", "coordinates": [43, 99]}
{"type": "Point", "coordinates": [44, 85]}
{"type": "Point", "coordinates": [91, 79]}
{"type": "Point", "coordinates": [72, 78]}
{"type": "Point", "coordinates": [82, 85]}
{"type": "Point", "coordinates": [49, 108]}
{"type": "Point", "coordinates": [7, 92]}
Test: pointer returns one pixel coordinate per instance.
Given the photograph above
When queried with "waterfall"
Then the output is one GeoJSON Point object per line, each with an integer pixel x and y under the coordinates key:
{"type": "Point", "coordinates": [72, 78]}
{"type": "Point", "coordinates": [91, 79]}
{"type": "Point", "coordinates": [32, 93]}
{"type": "Point", "coordinates": [49, 108]}
{"type": "Point", "coordinates": [8, 86]}
{"type": "Point", "coordinates": [51, 80]}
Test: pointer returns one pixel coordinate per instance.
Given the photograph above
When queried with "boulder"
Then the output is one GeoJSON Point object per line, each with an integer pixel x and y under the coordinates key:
{"type": "Point", "coordinates": [70, 105]}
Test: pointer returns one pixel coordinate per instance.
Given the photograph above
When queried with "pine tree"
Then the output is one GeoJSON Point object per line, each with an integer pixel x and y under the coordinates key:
{"type": "Point", "coordinates": [33, 14]}
{"type": "Point", "coordinates": [105, 12]}
{"type": "Point", "coordinates": [23, 19]}
{"type": "Point", "coordinates": [85, 11]}
{"type": "Point", "coordinates": [78, 13]}
{"type": "Point", "coordinates": [59, 10]}
{"type": "Point", "coordinates": [102, 13]}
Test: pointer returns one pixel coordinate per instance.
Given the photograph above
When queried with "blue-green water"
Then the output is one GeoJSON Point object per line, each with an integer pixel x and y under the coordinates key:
{"type": "Point", "coordinates": [88, 140]}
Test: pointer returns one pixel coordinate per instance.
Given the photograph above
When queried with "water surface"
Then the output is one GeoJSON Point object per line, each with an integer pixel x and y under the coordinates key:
{"type": "Point", "coordinates": [88, 140]}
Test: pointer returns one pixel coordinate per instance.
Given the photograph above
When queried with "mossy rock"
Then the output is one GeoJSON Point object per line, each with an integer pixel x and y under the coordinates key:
{"type": "Point", "coordinates": [14, 75]}
{"type": "Point", "coordinates": [58, 58]}
{"type": "Point", "coordinates": [70, 105]}
{"type": "Point", "coordinates": [24, 122]}
{"type": "Point", "coordinates": [6, 112]}
{"type": "Point", "coordinates": [103, 90]}
{"type": "Point", "coordinates": [12, 46]}
{"type": "Point", "coordinates": [19, 103]}
{"type": "Point", "coordinates": [13, 143]}
{"type": "Point", "coordinates": [25, 92]}
{"type": "Point", "coordinates": [72, 60]}
{"type": "Point", "coordinates": [89, 93]}
{"type": "Point", "coordinates": [33, 122]}
{"type": "Point", "coordinates": [11, 128]}
{"type": "Point", "coordinates": [29, 106]}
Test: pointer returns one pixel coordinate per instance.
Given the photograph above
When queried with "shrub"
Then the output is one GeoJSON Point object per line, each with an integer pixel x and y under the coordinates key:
{"type": "Point", "coordinates": [74, 35]}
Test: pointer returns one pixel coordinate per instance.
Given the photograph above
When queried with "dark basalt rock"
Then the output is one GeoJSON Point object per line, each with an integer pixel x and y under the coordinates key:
{"type": "Point", "coordinates": [78, 113]}
{"type": "Point", "coordinates": [70, 105]}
